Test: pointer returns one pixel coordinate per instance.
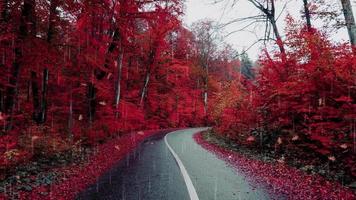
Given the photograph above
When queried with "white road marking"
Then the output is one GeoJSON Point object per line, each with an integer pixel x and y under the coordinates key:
{"type": "Point", "coordinates": [188, 182]}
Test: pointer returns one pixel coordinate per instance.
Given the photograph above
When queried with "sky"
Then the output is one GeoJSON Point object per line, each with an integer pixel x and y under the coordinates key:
{"type": "Point", "coordinates": [196, 10]}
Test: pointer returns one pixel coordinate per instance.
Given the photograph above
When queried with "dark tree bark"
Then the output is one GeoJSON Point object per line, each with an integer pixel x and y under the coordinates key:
{"type": "Point", "coordinates": [307, 14]}
{"type": "Point", "coordinates": [52, 19]}
{"type": "Point", "coordinates": [35, 97]}
{"type": "Point", "coordinates": [91, 96]}
{"type": "Point", "coordinates": [272, 18]}
{"type": "Point", "coordinates": [70, 117]}
{"type": "Point", "coordinates": [350, 20]}
{"type": "Point", "coordinates": [1, 101]}
{"type": "Point", "coordinates": [269, 11]}
{"type": "Point", "coordinates": [27, 28]}
{"type": "Point", "coordinates": [43, 116]}
{"type": "Point", "coordinates": [4, 11]}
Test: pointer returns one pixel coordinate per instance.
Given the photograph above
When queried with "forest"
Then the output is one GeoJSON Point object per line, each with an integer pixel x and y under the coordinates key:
{"type": "Point", "coordinates": [82, 72]}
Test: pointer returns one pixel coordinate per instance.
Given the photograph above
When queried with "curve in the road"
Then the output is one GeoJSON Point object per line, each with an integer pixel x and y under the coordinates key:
{"type": "Point", "coordinates": [155, 171]}
{"type": "Point", "coordinates": [191, 189]}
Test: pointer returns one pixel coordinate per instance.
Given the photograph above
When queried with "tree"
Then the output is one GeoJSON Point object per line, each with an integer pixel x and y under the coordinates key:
{"type": "Point", "coordinates": [247, 66]}
{"type": "Point", "coordinates": [307, 14]}
{"type": "Point", "coordinates": [206, 37]}
{"type": "Point", "coordinates": [349, 20]}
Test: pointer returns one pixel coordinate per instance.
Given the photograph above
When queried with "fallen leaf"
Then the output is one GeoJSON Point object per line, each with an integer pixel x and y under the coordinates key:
{"type": "Point", "coordinates": [332, 158]}
{"type": "Point", "coordinates": [34, 138]}
{"type": "Point", "coordinates": [103, 103]}
{"type": "Point", "coordinates": [117, 147]}
{"type": "Point", "coordinates": [250, 139]}
{"type": "Point", "coordinates": [279, 141]}
{"type": "Point", "coordinates": [295, 138]}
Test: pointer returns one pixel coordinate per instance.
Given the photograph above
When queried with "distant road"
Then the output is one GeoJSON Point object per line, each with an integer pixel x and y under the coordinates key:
{"type": "Point", "coordinates": [172, 168]}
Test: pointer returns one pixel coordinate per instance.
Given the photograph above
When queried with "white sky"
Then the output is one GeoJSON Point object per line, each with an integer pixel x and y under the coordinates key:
{"type": "Point", "coordinates": [205, 9]}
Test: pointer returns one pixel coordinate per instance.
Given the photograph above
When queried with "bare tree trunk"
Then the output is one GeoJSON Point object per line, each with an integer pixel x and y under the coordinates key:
{"type": "Point", "coordinates": [1, 100]}
{"type": "Point", "coordinates": [307, 14]}
{"type": "Point", "coordinates": [70, 116]}
{"type": "Point", "coordinates": [206, 88]}
{"type": "Point", "coordinates": [145, 87]}
{"type": "Point", "coordinates": [269, 11]}
{"type": "Point", "coordinates": [118, 86]}
{"type": "Point", "coordinates": [4, 11]}
{"type": "Point", "coordinates": [272, 18]}
{"type": "Point", "coordinates": [51, 22]}
{"type": "Point", "coordinates": [91, 96]}
{"type": "Point", "coordinates": [43, 115]}
{"type": "Point", "coordinates": [350, 20]}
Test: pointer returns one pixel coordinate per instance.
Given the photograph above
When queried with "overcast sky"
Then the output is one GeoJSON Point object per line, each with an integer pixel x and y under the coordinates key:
{"type": "Point", "coordinates": [222, 12]}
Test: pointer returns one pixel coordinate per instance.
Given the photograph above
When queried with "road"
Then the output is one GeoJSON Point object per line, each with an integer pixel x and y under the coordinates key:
{"type": "Point", "coordinates": [172, 167]}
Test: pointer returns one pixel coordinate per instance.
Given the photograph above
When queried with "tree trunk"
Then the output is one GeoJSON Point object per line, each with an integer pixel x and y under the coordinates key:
{"type": "Point", "coordinates": [1, 101]}
{"type": "Point", "coordinates": [27, 28]}
{"type": "Point", "coordinates": [51, 22]}
{"type": "Point", "coordinates": [350, 20]}
{"type": "Point", "coordinates": [118, 84]}
{"type": "Point", "coordinates": [70, 116]}
{"type": "Point", "coordinates": [145, 87]}
{"type": "Point", "coordinates": [272, 18]}
{"type": "Point", "coordinates": [4, 11]}
{"type": "Point", "coordinates": [50, 34]}
{"type": "Point", "coordinates": [307, 14]}
{"type": "Point", "coordinates": [35, 98]}
{"type": "Point", "coordinates": [206, 88]}
{"type": "Point", "coordinates": [91, 96]}
{"type": "Point", "coordinates": [43, 115]}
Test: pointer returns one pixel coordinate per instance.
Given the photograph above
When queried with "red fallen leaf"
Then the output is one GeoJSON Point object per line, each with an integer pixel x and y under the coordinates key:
{"type": "Point", "coordinates": [332, 158]}
{"type": "Point", "coordinates": [250, 139]}
{"type": "Point", "coordinates": [102, 103]}
{"type": "Point", "coordinates": [33, 138]}
{"type": "Point", "coordinates": [280, 179]}
{"type": "Point", "coordinates": [279, 141]}
{"type": "Point", "coordinates": [295, 138]}
{"type": "Point", "coordinates": [343, 146]}
{"type": "Point", "coordinates": [117, 147]}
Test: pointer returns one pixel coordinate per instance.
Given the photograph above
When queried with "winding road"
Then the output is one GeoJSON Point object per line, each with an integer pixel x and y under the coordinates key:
{"type": "Point", "coordinates": [172, 167]}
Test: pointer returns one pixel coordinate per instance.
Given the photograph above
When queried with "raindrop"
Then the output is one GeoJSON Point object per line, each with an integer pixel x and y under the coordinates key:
{"type": "Point", "coordinates": [216, 188]}
{"type": "Point", "coordinates": [149, 184]}
{"type": "Point", "coordinates": [127, 160]}
{"type": "Point", "coordinates": [110, 177]}
{"type": "Point", "coordinates": [123, 191]}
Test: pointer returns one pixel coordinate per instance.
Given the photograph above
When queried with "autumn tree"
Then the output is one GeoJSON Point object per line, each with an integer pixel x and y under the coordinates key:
{"type": "Point", "coordinates": [206, 46]}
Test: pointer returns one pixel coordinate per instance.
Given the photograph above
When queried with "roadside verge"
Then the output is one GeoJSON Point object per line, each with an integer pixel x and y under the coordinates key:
{"type": "Point", "coordinates": [278, 178]}
{"type": "Point", "coordinates": [75, 178]}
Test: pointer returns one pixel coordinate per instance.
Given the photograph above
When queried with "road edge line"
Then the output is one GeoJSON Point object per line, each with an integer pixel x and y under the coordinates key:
{"type": "Point", "coordinates": [188, 182]}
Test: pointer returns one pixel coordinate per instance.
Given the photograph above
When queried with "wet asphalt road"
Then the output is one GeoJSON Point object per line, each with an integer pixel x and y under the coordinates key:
{"type": "Point", "coordinates": [152, 173]}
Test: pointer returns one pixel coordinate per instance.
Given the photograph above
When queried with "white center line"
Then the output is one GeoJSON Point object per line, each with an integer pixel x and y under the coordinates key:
{"type": "Point", "coordinates": [188, 182]}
